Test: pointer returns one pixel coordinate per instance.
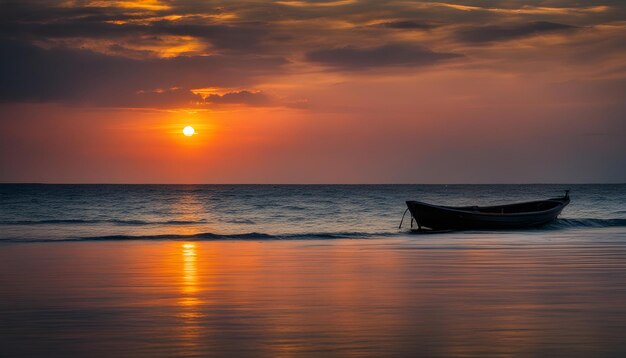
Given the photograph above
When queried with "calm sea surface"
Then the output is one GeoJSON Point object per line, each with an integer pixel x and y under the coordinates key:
{"type": "Point", "coordinates": [96, 212]}
{"type": "Point", "coordinates": [142, 270]}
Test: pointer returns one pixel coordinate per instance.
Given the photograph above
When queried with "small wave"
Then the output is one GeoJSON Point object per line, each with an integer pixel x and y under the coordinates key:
{"type": "Point", "coordinates": [208, 236]}
{"type": "Point", "coordinates": [244, 236]}
{"type": "Point", "coordinates": [109, 221]}
{"type": "Point", "coordinates": [598, 223]}
{"type": "Point", "coordinates": [294, 208]}
{"type": "Point", "coordinates": [181, 222]}
{"type": "Point", "coordinates": [52, 221]}
{"type": "Point", "coordinates": [241, 221]}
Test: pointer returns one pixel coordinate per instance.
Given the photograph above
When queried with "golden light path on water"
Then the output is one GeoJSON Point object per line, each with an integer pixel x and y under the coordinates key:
{"type": "Point", "coordinates": [189, 271]}
{"type": "Point", "coordinates": [189, 314]}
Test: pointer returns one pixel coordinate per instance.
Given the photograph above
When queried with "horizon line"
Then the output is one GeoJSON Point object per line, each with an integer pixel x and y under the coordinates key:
{"type": "Point", "coordinates": [313, 184]}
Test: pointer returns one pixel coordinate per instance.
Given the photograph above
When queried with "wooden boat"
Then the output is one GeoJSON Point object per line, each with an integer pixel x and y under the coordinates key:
{"type": "Point", "coordinates": [511, 216]}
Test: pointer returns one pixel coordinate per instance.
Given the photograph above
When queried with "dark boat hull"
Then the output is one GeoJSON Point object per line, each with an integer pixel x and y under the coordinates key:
{"type": "Point", "coordinates": [514, 216]}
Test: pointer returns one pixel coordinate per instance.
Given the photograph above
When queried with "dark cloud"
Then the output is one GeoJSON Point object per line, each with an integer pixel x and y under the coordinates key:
{"type": "Point", "coordinates": [240, 97]}
{"type": "Point", "coordinates": [173, 97]}
{"type": "Point", "coordinates": [242, 38]}
{"type": "Point", "coordinates": [30, 73]}
{"type": "Point", "coordinates": [44, 57]}
{"type": "Point", "coordinates": [406, 25]}
{"type": "Point", "coordinates": [493, 33]}
{"type": "Point", "coordinates": [352, 58]}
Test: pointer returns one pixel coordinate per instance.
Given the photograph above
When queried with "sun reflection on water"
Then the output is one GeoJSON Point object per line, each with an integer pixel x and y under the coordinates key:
{"type": "Point", "coordinates": [190, 270]}
{"type": "Point", "coordinates": [189, 302]}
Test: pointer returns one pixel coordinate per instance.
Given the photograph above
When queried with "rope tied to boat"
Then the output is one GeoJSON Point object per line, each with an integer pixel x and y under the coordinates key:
{"type": "Point", "coordinates": [402, 220]}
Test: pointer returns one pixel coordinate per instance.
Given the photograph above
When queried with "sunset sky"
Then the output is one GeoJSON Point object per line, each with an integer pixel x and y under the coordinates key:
{"type": "Point", "coordinates": [297, 91]}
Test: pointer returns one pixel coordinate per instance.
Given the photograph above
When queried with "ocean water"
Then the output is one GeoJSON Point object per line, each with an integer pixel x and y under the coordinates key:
{"type": "Point", "coordinates": [100, 212]}
{"type": "Point", "coordinates": [277, 271]}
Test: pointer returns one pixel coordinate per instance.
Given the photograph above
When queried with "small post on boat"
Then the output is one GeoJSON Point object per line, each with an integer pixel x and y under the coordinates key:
{"type": "Point", "coordinates": [567, 194]}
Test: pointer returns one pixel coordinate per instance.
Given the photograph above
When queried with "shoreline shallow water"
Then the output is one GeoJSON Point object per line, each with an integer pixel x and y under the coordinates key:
{"type": "Point", "coordinates": [545, 293]}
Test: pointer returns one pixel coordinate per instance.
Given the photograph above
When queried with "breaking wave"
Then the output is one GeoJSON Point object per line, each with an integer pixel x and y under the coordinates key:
{"type": "Point", "coordinates": [559, 224]}
{"type": "Point", "coordinates": [208, 236]}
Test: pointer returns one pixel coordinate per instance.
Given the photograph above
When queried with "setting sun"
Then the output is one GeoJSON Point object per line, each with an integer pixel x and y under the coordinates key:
{"type": "Point", "coordinates": [189, 131]}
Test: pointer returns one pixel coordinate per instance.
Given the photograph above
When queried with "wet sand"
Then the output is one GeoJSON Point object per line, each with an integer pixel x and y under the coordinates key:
{"type": "Point", "coordinates": [561, 293]}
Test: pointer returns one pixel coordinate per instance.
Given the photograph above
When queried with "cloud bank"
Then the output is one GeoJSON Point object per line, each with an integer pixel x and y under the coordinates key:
{"type": "Point", "coordinates": [109, 53]}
